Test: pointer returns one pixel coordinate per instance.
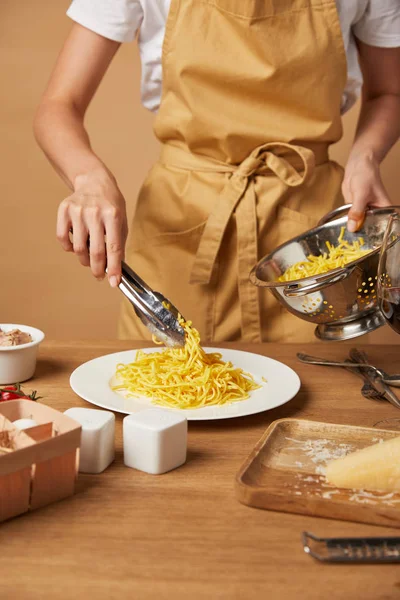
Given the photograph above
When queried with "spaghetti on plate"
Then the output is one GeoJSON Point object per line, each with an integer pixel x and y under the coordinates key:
{"type": "Point", "coordinates": [184, 378]}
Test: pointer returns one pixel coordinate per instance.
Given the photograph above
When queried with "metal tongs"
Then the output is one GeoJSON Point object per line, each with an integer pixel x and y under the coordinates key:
{"type": "Point", "coordinates": [377, 382]}
{"type": "Point", "coordinates": [393, 380]}
{"type": "Point", "coordinates": [155, 311]}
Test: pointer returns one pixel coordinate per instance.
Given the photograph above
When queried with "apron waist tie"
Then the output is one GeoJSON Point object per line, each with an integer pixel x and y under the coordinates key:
{"type": "Point", "coordinates": [290, 163]}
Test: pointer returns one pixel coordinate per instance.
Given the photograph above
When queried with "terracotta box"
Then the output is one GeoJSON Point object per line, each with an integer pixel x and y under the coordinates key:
{"type": "Point", "coordinates": [42, 466]}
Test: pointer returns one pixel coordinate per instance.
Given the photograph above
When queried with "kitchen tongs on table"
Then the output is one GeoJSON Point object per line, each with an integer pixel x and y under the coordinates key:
{"type": "Point", "coordinates": [155, 311]}
{"type": "Point", "coordinates": [393, 380]}
{"type": "Point", "coordinates": [377, 382]}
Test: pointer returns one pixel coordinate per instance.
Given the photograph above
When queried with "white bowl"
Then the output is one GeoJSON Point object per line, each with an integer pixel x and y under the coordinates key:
{"type": "Point", "coordinates": [18, 363]}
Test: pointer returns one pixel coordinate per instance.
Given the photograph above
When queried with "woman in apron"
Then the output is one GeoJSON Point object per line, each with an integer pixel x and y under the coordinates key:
{"type": "Point", "coordinates": [252, 96]}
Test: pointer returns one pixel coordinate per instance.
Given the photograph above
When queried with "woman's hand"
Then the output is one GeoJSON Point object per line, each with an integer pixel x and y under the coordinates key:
{"type": "Point", "coordinates": [363, 188]}
{"type": "Point", "coordinates": [95, 209]}
{"type": "Point", "coordinates": [378, 129]}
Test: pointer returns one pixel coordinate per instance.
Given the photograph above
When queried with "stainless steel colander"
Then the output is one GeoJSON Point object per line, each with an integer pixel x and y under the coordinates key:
{"type": "Point", "coordinates": [343, 302]}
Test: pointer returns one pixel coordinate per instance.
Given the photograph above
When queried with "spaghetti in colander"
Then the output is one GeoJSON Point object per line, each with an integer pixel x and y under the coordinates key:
{"type": "Point", "coordinates": [184, 378]}
{"type": "Point", "coordinates": [335, 258]}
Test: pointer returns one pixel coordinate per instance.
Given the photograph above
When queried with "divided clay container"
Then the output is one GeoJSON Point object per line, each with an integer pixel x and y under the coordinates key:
{"type": "Point", "coordinates": [41, 464]}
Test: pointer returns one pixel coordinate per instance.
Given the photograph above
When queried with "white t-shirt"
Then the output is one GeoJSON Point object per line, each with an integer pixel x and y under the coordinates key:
{"type": "Point", "coordinates": [374, 22]}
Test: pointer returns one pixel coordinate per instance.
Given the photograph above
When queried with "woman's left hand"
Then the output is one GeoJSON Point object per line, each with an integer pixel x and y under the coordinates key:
{"type": "Point", "coordinates": [363, 188]}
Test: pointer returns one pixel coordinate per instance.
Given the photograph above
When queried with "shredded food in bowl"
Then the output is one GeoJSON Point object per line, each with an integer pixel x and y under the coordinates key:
{"type": "Point", "coordinates": [335, 258]}
{"type": "Point", "coordinates": [15, 337]}
{"type": "Point", "coordinates": [185, 378]}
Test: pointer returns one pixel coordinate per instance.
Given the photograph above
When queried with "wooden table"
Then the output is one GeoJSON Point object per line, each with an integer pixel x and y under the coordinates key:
{"type": "Point", "coordinates": [126, 534]}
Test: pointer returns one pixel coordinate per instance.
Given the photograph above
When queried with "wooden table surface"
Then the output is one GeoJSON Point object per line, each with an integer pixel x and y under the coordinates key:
{"type": "Point", "coordinates": [126, 534]}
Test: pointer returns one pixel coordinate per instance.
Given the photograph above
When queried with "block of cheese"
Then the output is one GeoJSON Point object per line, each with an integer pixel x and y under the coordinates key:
{"type": "Point", "coordinates": [375, 468]}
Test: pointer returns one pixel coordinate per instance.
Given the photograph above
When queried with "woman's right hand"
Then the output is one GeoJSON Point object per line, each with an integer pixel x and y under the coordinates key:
{"type": "Point", "coordinates": [95, 210]}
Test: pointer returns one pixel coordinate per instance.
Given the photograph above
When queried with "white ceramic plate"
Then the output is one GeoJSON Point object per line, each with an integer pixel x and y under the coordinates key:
{"type": "Point", "coordinates": [91, 381]}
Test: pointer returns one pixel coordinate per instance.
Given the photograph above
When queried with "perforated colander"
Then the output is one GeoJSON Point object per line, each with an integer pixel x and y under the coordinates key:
{"type": "Point", "coordinates": [343, 302]}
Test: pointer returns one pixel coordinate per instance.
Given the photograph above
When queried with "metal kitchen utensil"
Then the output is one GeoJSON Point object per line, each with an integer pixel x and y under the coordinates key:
{"type": "Point", "coordinates": [393, 380]}
{"type": "Point", "coordinates": [343, 302]}
{"type": "Point", "coordinates": [151, 308]}
{"type": "Point", "coordinates": [372, 393]}
{"type": "Point", "coordinates": [352, 549]}
{"type": "Point", "coordinates": [367, 390]}
{"type": "Point", "coordinates": [374, 379]}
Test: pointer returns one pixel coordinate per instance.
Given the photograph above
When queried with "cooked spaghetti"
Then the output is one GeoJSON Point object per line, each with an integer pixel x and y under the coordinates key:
{"type": "Point", "coordinates": [335, 258]}
{"type": "Point", "coordinates": [185, 378]}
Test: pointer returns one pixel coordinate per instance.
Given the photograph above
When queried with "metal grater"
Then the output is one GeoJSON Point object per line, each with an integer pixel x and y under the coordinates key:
{"type": "Point", "coordinates": [352, 550]}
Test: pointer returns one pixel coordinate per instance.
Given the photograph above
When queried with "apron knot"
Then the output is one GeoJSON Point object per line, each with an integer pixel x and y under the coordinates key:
{"type": "Point", "coordinates": [251, 165]}
{"type": "Point", "coordinates": [290, 163]}
{"type": "Point", "coordinates": [292, 170]}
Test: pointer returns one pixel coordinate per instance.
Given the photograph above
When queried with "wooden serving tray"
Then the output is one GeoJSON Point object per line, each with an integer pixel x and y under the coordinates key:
{"type": "Point", "coordinates": [284, 472]}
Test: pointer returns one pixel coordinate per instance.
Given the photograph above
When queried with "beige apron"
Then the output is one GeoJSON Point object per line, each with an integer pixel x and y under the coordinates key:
{"type": "Point", "coordinates": [251, 100]}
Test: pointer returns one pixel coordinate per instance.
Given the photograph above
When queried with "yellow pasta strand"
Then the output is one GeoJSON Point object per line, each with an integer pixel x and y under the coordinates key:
{"type": "Point", "coordinates": [185, 378]}
{"type": "Point", "coordinates": [336, 257]}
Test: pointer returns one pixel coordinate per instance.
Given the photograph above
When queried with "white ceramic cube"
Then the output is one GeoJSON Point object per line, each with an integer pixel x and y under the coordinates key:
{"type": "Point", "coordinates": [155, 440]}
{"type": "Point", "coordinates": [97, 442]}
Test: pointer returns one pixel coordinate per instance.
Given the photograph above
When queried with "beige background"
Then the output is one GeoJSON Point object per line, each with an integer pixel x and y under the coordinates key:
{"type": "Point", "coordinates": [40, 285]}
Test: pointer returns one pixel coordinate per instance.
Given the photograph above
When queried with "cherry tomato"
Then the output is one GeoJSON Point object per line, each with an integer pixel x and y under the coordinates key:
{"type": "Point", "coordinates": [7, 393]}
{"type": "Point", "coordinates": [14, 392]}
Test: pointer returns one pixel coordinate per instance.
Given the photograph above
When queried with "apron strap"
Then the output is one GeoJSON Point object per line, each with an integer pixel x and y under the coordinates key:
{"type": "Point", "coordinates": [240, 186]}
{"type": "Point", "coordinates": [290, 163]}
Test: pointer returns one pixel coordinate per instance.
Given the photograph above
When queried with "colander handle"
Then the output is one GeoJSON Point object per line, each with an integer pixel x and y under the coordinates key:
{"type": "Point", "coordinates": [297, 291]}
{"type": "Point", "coordinates": [341, 211]}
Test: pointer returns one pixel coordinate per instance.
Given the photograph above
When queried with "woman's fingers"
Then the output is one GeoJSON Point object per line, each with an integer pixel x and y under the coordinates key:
{"type": "Point", "coordinates": [356, 192]}
{"type": "Point", "coordinates": [107, 232]}
{"type": "Point", "coordinates": [80, 237]}
{"type": "Point", "coordinates": [363, 189]}
{"type": "Point", "coordinates": [116, 236]}
{"type": "Point", "coordinates": [95, 212]}
{"type": "Point", "coordinates": [63, 227]}
{"type": "Point", "coordinates": [356, 214]}
{"type": "Point", "coordinates": [365, 197]}
{"type": "Point", "coordinates": [97, 249]}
